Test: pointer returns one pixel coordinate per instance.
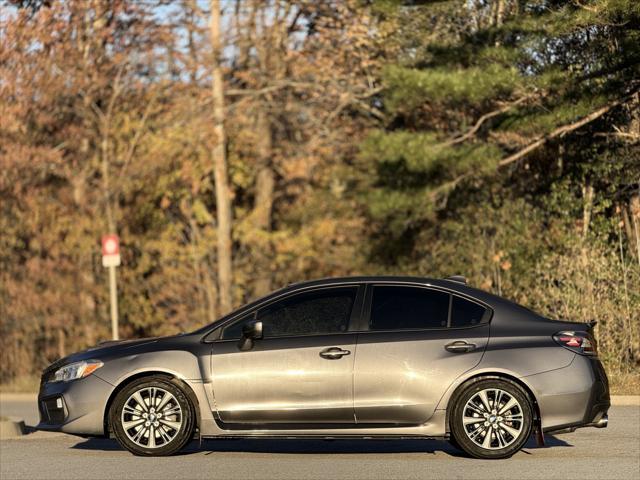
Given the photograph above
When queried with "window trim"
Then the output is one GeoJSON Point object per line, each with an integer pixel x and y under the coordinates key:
{"type": "Point", "coordinates": [354, 317]}
{"type": "Point", "coordinates": [366, 317]}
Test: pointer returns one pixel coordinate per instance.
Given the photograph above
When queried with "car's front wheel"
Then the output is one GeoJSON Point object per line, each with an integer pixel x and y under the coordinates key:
{"type": "Point", "coordinates": [152, 416]}
{"type": "Point", "coordinates": [491, 418]}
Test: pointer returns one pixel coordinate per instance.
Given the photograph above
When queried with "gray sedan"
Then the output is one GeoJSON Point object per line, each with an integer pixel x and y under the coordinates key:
{"type": "Point", "coordinates": [391, 357]}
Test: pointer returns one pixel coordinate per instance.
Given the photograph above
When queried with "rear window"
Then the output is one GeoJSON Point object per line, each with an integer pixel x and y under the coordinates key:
{"type": "Point", "coordinates": [397, 308]}
{"type": "Point", "coordinates": [465, 313]}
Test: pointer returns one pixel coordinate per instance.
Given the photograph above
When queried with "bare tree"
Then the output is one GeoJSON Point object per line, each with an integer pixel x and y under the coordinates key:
{"type": "Point", "coordinates": [218, 154]}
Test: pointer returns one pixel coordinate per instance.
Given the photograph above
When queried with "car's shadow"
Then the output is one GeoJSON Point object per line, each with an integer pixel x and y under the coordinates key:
{"type": "Point", "coordinates": [315, 446]}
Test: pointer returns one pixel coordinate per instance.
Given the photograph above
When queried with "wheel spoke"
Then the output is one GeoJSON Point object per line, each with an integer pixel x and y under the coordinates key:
{"type": "Point", "coordinates": [165, 434]}
{"type": "Point", "coordinates": [485, 400]}
{"type": "Point", "coordinates": [139, 434]}
{"type": "Point", "coordinates": [508, 406]}
{"type": "Point", "coordinates": [168, 423]}
{"type": "Point", "coordinates": [476, 433]}
{"type": "Point", "coordinates": [165, 399]}
{"type": "Point", "coordinates": [134, 423]}
{"type": "Point", "coordinates": [517, 417]}
{"type": "Point", "coordinates": [171, 411]}
{"type": "Point", "coordinates": [511, 431]}
{"type": "Point", "coordinates": [152, 397]}
{"type": "Point", "coordinates": [138, 398]}
{"type": "Point", "coordinates": [486, 443]}
{"type": "Point", "coordinates": [498, 398]}
{"type": "Point", "coordinates": [152, 437]}
{"type": "Point", "coordinates": [131, 411]}
{"type": "Point", "coordinates": [475, 409]}
{"type": "Point", "coordinates": [472, 420]}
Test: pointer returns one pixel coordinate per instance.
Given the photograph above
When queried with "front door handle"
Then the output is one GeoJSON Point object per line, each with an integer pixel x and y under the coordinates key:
{"type": "Point", "coordinates": [459, 346]}
{"type": "Point", "coordinates": [334, 353]}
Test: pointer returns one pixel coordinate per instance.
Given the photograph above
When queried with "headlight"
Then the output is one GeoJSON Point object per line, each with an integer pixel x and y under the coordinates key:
{"type": "Point", "coordinates": [76, 370]}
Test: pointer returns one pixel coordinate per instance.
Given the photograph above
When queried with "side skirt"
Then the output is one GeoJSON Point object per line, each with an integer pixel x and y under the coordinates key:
{"type": "Point", "coordinates": [346, 436]}
{"type": "Point", "coordinates": [433, 428]}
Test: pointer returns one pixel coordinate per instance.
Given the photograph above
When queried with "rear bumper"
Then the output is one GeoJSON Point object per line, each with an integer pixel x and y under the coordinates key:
{"type": "Point", "coordinates": [573, 397]}
{"type": "Point", "coordinates": [75, 407]}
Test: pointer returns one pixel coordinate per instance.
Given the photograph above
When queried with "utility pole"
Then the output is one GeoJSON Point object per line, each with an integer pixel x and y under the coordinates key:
{"type": "Point", "coordinates": [113, 297]}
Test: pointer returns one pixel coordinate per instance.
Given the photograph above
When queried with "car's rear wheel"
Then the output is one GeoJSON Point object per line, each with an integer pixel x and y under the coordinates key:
{"type": "Point", "coordinates": [491, 418]}
{"type": "Point", "coordinates": [152, 416]}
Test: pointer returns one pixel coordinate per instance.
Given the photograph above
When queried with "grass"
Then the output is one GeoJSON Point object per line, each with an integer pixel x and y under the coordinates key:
{"type": "Point", "coordinates": [21, 385]}
{"type": "Point", "coordinates": [624, 383]}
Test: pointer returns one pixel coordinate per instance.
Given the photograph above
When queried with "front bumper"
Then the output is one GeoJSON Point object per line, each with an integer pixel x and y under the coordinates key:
{"type": "Point", "coordinates": [75, 407]}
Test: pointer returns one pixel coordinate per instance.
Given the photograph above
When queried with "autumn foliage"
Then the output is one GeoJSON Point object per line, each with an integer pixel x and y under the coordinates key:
{"type": "Point", "coordinates": [496, 139]}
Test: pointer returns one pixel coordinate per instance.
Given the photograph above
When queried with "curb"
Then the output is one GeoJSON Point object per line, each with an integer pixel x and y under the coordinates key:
{"type": "Point", "coordinates": [11, 397]}
{"type": "Point", "coordinates": [11, 428]}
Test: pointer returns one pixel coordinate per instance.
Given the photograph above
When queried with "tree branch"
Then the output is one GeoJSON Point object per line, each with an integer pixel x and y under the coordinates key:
{"type": "Point", "coordinates": [562, 131]}
{"type": "Point", "coordinates": [472, 131]}
{"type": "Point", "coordinates": [558, 132]}
{"type": "Point", "coordinates": [577, 3]}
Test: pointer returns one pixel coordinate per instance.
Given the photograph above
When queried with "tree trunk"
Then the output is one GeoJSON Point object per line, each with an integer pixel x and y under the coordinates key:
{"type": "Point", "coordinates": [499, 18]}
{"type": "Point", "coordinates": [634, 207]}
{"type": "Point", "coordinates": [587, 207]}
{"type": "Point", "coordinates": [627, 219]}
{"type": "Point", "coordinates": [263, 207]}
{"type": "Point", "coordinates": [223, 200]}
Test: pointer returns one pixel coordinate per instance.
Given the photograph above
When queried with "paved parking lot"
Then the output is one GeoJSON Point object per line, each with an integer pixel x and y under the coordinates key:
{"type": "Point", "coordinates": [613, 453]}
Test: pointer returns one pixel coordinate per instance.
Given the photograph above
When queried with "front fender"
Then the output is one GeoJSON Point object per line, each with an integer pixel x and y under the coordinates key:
{"type": "Point", "coordinates": [177, 363]}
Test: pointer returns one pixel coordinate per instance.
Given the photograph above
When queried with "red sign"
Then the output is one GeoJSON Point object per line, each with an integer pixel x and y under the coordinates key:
{"type": "Point", "coordinates": [110, 244]}
{"type": "Point", "coordinates": [110, 250]}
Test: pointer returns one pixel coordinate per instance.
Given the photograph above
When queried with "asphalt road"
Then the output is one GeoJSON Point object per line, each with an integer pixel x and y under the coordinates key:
{"type": "Point", "coordinates": [613, 453]}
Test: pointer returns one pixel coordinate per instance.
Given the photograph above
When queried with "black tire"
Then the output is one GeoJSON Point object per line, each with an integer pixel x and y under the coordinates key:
{"type": "Point", "coordinates": [454, 444]}
{"type": "Point", "coordinates": [459, 433]}
{"type": "Point", "coordinates": [179, 436]}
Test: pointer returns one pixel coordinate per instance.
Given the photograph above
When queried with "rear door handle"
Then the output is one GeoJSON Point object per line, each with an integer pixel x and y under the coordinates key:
{"type": "Point", "coordinates": [459, 346]}
{"type": "Point", "coordinates": [334, 353]}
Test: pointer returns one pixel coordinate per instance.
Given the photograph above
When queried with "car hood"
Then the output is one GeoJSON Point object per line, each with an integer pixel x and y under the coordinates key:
{"type": "Point", "coordinates": [106, 349]}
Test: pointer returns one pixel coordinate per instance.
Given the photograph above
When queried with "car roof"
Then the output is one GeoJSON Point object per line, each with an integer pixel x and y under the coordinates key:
{"type": "Point", "coordinates": [453, 284]}
{"type": "Point", "coordinates": [448, 283]}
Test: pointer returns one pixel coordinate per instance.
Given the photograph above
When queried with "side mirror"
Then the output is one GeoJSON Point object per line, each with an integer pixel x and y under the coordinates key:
{"type": "Point", "coordinates": [250, 331]}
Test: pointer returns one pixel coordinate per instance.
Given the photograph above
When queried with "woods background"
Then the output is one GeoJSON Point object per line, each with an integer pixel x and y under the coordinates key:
{"type": "Point", "coordinates": [236, 151]}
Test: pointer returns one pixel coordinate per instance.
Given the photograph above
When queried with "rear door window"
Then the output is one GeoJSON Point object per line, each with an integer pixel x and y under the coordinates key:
{"type": "Point", "coordinates": [465, 313]}
{"type": "Point", "coordinates": [405, 308]}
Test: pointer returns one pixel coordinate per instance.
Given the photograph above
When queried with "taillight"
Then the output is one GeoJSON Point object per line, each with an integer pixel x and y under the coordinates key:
{"type": "Point", "coordinates": [579, 342]}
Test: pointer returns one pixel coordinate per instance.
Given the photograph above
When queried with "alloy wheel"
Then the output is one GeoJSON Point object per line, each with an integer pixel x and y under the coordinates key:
{"type": "Point", "coordinates": [151, 417]}
{"type": "Point", "coordinates": [493, 419]}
